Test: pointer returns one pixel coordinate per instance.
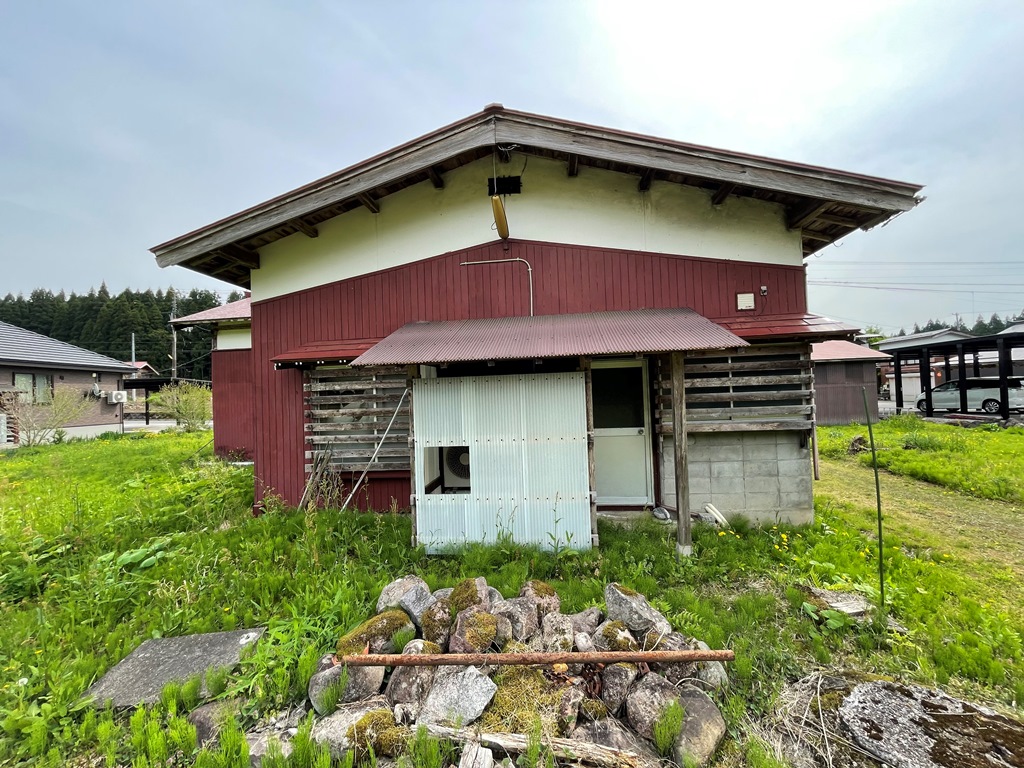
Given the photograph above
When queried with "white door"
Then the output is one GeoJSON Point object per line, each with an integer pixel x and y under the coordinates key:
{"type": "Point", "coordinates": [622, 425]}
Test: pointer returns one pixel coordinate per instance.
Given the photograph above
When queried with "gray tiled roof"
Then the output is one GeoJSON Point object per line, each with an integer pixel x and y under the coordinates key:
{"type": "Point", "coordinates": [30, 349]}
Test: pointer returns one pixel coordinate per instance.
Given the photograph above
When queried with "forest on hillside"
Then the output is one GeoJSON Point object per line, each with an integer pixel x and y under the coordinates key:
{"type": "Point", "coordinates": [103, 323]}
{"type": "Point", "coordinates": [981, 327]}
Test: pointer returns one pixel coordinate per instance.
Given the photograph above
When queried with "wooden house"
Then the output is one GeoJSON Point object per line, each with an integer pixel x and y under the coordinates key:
{"type": "Point", "coordinates": [841, 370]}
{"type": "Point", "coordinates": [511, 320]}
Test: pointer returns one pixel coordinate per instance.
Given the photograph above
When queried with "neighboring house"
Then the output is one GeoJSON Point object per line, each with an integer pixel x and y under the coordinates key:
{"type": "Point", "coordinates": [231, 376]}
{"type": "Point", "coordinates": [142, 370]}
{"type": "Point", "coordinates": [842, 370]}
{"type": "Point", "coordinates": [510, 363]}
{"type": "Point", "coordinates": [32, 366]}
{"type": "Point", "coordinates": [941, 336]}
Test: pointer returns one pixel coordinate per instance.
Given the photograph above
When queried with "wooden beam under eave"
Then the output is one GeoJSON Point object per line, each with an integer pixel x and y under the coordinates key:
{"type": "Point", "coordinates": [821, 236]}
{"type": "Point", "coordinates": [805, 214]}
{"type": "Point", "coordinates": [435, 178]}
{"type": "Point", "coordinates": [645, 180]}
{"type": "Point", "coordinates": [245, 257]}
{"type": "Point", "coordinates": [370, 203]}
{"type": "Point", "coordinates": [842, 221]}
{"type": "Point", "coordinates": [572, 168]}
{"type": "Point", "coordinates": [305, 227]}
{"type": "Point", "coordinates": [721, 193]}
{"type": "Point", "coordinates": [874, 221]}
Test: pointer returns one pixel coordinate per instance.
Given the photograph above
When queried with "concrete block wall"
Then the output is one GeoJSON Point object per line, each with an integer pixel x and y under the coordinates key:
{"type": "Point", "coordinates": [764, 477]}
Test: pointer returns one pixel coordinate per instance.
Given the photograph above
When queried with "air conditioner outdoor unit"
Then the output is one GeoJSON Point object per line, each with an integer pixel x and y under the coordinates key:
{"type": "Point", "coordinates": [455, 467]}
{"type": "Point", "coordinates": [118, 396]}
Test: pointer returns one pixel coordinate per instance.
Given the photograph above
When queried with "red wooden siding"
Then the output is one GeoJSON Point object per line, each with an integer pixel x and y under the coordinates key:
{"type": "Point", "coordinates": [234, 431]}
{"type": "Point", "coordinates": [566, 279]}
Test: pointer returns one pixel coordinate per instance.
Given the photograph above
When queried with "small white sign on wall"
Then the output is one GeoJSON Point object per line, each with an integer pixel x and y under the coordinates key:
{"type": "Point", "coordinates": [744, 301]}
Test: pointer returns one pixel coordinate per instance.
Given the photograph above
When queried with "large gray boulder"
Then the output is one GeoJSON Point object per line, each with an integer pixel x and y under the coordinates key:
{"type": "Point", "coordinates": [558, 633]}
{"type": "Point", "coordinates": [262, 742]}
{"type": "Point", "coordinates": [410, 685]}
{"type": "Point", "coordinates": [436, 623]}
{"type": "Point", "coordinates": [703, 728]}
{"type": "Point", "coordinates": [410, 593]}
{"type": "Point", "coordinates": [363, 682]}
{"type": "Point", "coordinates": [586, 620]}
{"type": "Point", "coordinates": [616, 680]}
{"type": "Point", "coordinates": [545, 596]}
{"type": "Point", "coordinates": [476, 631]}
{"type": "Point", "coordinates": [633, 610]}
{"type": "Point", "coordinates": [459, 696]}
{"type": "Point", "coordinates": [907, 726]}
{"type": "Point", "coordinates": [521, 613]}
{"type": "Point", "coordinates": [333, 729]}
{"type": "Point", "coordinates": [646, 702]}
{"type": "Point", "coordinates": [468, 593]}
{"type": "Point", "coordinates": [609, 732]}
{"type": "Point", "coordinates": [675, 672]}
{"type": "Point", "coordinates": [614, 636]}
{"type": "Point", "coordinates": [210, 718]}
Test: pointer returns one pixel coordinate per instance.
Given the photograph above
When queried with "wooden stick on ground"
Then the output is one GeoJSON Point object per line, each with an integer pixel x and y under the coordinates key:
{"type": "Point", "coordinates": [563, 749]}
{"type": "Point", "coordinates": [529, 659]}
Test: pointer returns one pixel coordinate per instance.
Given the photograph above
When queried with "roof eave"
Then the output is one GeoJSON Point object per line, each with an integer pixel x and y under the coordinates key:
{"type": "Point", "coordinates": [820, 186]}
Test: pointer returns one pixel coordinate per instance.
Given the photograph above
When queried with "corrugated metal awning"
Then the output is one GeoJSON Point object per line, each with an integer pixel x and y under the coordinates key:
{"type": "Point", "coordinates": [323, 352]}
{"type": "Point", "coordinates": [794, 326]}
{"type": "Point", "coordinates": [530, 338]}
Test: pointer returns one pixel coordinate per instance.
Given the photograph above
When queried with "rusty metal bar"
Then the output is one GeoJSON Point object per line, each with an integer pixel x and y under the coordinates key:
{"type": "Point", "coordinates": [529, 659]}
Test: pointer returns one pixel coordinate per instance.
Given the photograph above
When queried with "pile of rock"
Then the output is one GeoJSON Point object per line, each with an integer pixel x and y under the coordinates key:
{"type": "Point", "coordinates": [614, 706]}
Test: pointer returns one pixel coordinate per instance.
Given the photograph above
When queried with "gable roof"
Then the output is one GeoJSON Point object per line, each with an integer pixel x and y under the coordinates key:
{"type": "Point", "coordinates": [23, 347]}
{"type": "Point", "coordinates": [824, 204]}
{"type": "Point", "coordinates": [911, 339]}
{"type": "Point", "coordinates": [838, 351]}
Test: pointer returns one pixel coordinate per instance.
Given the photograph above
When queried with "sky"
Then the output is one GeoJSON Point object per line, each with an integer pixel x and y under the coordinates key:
{"type": "Point", "coordinates": [125, 124]}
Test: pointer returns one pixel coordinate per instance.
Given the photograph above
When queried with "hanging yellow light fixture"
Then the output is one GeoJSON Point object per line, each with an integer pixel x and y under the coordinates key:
{"type": "Point", "coordinates": [500, 220]}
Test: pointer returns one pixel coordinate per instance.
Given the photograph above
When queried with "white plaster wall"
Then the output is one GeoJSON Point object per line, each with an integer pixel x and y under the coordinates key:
{"type": "Point", "coordinates": [597, 208]}
{"type": "Point", "coordinates": [234, 338]}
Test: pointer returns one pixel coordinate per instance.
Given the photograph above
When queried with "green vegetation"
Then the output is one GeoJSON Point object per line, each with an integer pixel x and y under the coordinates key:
{"type": "Point", "coordinates": [667, 728]}
{"type": "Point", "coordinates": [191, 405]}
{"type": "Point", "coordinates": [107, 543]}
{"type": "Point", "coordinates": [985, 461]}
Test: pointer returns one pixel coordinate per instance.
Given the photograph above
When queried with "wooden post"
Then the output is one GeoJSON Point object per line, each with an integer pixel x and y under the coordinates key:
{"type": "Point", "coordinates": [588, 379]}
{"type": "Point", "coordinates": [684, 544]}
{"type": "Point", "coordinates": [1005, 368]}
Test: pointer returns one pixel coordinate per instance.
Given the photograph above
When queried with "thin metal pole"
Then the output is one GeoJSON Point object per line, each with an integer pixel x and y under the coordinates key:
{"type": "Point", "coordinates": [376, 450]}
{"type": "Point", "coordinates": [878, 502]}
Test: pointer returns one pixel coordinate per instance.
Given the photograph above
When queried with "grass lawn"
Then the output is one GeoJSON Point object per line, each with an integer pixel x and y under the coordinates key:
{"type": "Point", "coordinates": [104, 544]}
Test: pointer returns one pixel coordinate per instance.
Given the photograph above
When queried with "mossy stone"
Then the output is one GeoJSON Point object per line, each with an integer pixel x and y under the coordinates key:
{"type": "Point", "coordinates": [616, 636]}
{"type": "Point", "coordinates": [377, 633]}
{"type": "Point", "coordinates": [594, 709]}
{"type": "Point", "coordinates": [467, 593]}
{"type": "Point", "coordinates": [377, 730]}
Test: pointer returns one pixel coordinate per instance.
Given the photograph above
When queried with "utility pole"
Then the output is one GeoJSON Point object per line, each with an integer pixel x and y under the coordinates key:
{"type": "Point", "coordinates": [174, 336]}
{"type": "Point", "coordinates": [135, 372]}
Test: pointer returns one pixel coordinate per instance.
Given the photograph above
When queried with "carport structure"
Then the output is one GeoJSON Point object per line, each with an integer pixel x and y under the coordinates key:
{"type": "Point", "coordinates": [957, 353]}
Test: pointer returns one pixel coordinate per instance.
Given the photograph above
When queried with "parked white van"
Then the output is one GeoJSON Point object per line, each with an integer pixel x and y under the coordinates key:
{"type": "Point", "coordinates": [982, 395]}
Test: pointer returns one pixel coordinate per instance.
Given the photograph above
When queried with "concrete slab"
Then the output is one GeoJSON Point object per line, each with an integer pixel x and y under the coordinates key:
{"type": "Point", "coordinates": [140, 676]}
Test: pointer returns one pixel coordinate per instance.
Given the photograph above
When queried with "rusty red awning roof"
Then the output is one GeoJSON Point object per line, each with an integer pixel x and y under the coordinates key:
{"type": "Point", "coordinates": [794, 326]}
{"type": "Point", "coordinates": [545, 336]}
{"type": "Point", "coordinates": [323, 352]}
{"type": "Point", "coordinates": [838, 351]}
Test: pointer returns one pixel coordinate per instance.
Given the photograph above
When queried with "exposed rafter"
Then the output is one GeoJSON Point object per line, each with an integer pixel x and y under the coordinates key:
{"type": "Point", "coordinates": [305, 227]}
{"type": "Point", "coordinates": [842, 221]}
{"type": "Point", "coordinates": [241, 255]}
{"type": "Point", "coordinates": [573, 166]}
{"type": "Point", "coordinates": [817, 236]}
{"type": "Point", "coordinates": [645, 180]}
{"type": "Point", "coordinates": [435, 178]}
{"type": "Point", "coordinates": [721, 193]}
{"type": "Point", "coordinates": [806, 213]}
{"type": "Point", "coordinates": [370, 203]}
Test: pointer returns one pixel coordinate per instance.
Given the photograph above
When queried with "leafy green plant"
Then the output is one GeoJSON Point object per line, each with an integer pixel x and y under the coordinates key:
{"type": "Point", "coordinates": [217, 681]}
{"type": "Point", "coordinates": [402, 638]}
{"type": "Point", "coordinates": [191, 405]}
{"type": "Point", "coordinates": [667, 728]}
{"type": "Point", "coordinates": [426, 751]}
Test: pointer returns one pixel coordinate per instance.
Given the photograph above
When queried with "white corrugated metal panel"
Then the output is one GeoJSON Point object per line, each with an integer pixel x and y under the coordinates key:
{"type": "Point", "coordinates": [528, 459]}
